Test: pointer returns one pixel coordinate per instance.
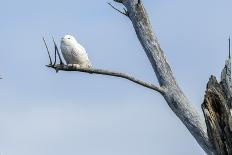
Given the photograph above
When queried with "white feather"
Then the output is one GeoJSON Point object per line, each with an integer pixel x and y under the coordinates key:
{"type": "Point", "coordinates": [73, 52]}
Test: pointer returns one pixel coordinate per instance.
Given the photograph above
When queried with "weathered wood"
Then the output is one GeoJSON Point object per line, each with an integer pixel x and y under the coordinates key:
{"type": "Point", "coordinates": [226, 81]}
{"type": "Point", "coordinates": [174, 96]}
{"type": "Point", "coordinates": [216, 109]}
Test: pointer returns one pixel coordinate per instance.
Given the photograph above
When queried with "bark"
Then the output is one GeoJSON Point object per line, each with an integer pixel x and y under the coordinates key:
{"type": "Point", "coordinates": [216, 108]}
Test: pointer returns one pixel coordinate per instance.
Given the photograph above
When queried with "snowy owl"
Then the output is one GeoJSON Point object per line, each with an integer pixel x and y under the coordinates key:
{"type": "Point", "coordinates": [73, 52]}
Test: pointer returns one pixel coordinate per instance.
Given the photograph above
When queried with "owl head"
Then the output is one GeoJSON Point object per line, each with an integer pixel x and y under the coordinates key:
{"type": "Point", "coordinates": [68, 40]}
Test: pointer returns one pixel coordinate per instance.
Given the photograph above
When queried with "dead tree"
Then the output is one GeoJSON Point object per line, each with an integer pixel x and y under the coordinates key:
{"type": "Point", "coordinates": [213, 133]}
{"type": "Point", "coordinates": [217, 111]}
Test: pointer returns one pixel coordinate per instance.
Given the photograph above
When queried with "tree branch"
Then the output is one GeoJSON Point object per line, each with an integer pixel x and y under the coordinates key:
{"type": "Point", "coordinates": [107, 72]}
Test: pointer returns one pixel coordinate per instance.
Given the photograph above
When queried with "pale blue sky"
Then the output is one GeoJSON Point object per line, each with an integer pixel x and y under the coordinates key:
{"type": "Point", "coordinates": [44, 113]}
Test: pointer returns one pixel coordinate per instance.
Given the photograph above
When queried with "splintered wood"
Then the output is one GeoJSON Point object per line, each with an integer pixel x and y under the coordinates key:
{"type": "Point", "coordinates": [217, 110]}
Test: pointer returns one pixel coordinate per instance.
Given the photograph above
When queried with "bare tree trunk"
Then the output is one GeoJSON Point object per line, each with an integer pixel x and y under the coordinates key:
{"type": "Point", "coordinates": [174, 96]}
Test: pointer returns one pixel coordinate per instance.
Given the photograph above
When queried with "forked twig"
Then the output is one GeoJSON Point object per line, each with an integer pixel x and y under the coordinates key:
{"type": "Point", "coordinates": [124, 13]}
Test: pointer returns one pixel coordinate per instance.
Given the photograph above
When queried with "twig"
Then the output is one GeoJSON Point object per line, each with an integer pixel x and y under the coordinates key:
{"type": "Point", "coordinates": [124, 13]}
{"type": "Point", "coordinates": [57, 51]}
{"type": "Point", "coordinates": [118, 1]}
{"type": "Point", "coordinates": [107, 72]}
{"type": "Point", "coordinates": [50, 59]}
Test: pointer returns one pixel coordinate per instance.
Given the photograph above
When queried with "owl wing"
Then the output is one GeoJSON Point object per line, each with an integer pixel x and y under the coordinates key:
{"type": "Point", "coordinates": [81, 55]}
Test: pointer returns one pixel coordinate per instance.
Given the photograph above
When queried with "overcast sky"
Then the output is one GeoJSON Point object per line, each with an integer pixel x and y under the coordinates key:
{"type": "Point", "coordinates": [44, 113]}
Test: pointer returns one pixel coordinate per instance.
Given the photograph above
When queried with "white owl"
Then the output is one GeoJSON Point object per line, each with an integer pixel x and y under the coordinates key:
{"type": "Point", "coordinates": [74, 53]}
